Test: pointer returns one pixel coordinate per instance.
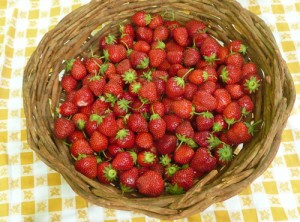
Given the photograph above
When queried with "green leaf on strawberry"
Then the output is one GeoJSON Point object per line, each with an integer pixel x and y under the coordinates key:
{"type": "Point", "coordinates": [174, 189]}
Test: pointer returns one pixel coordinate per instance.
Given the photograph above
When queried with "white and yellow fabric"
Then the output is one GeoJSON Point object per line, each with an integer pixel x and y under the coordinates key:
{"type": "Point", "coordinates": [30, 191]}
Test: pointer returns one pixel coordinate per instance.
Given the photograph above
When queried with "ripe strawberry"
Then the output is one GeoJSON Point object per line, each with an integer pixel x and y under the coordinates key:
{"type": "Point", "coordinates": [148, 92]}
{"type": "Point", "coordinates": [156, 57]}
{"type": "Point", "coordinates": [123, 66]}
{"type": "Point", "coordinates": [183, 154]}
{"type": "Point", "coordinates": [139, 60]}
{"type": "Point", "coordinates": [112, 90]}
{"type": "Point", "coordinates": [145, 34]}
{"type": "Point", "coordinates": [150, 184]}
{"type": "Point", "coordinates": [96, 85]}
{"type": "Point", "coordinates": [108, 126]}
{"type": "Point", "coordinates": [127, 29]}
{"type": "Point", "coordinates": [93, 65]}
{"type": "Point", "coordinates": [175, 57]}
{"type": "Point", "coordinates": [185, 129]}
{"type": "Point", "coordinates": [251, 83]}
{"type": "Point", "coordinates": [141, 18]}
{"type": "Point", "coordinates": [77, 68]}
{"type": "Point", "coordinates": [208, 86]}
{"type": "Point", "coordinates": [201, 104]}
{"type": "Point", "coordinates": [90, 127]}
{"type": "Point", "coordinates": [121, 107]}
{"type": "Point", "coordinates": [198, 76]}
{"type": "Point", "coordinates": [84, 97]}
{"type": "Point", "coordinates": [98, 142]}
{"type": "Point", "coordinates": [249, 69]}
{"type": "Point", "coordinates": [222, 54]}
{"type": "Point", "coordinates": [223, 98]}
{"type": "Point", "coordinates": [123, 161]}
{"type": "Point", "coordinates": [160, 33]}
{"type": "Point", "coordinates": [237, 46]}
{"type": "Point", "coordinates": [156, 20]}
{"type": "Point", "coordinates": [232, 113]}
{"type": "Point", "coordinates": [235, 90]}
{"type": "Point", "coordinates": [181, 181]}
{"type": "Point", "coordinates": [246, 104]}
{"type": "Point", "coordinates": [173, 46]}
{"type": "Point", "coordinates": [157, 126]}
{"type": "Point", "coordinates": [113, 149]}
{"type": "Point", "coordinates": [81, 146]}
{"type": "Point", "coordinates": [142, 46]}
{"type": "Point", "coordinates": [191, 57]}
{"type": "Point", "coordinates": [115, 53]}
{"type": "Point", "coordinates": [67, 109]}
{"type": "Point", "coordinates": [146, 158]}
{"type": "Point", "coordinates": [166, 144]}
{"type": "Point", "coordinates": [68, 83]}
{"type": "Point", "coordinates": [193, 26]}
{"type": "Point", "coordinates": [171, 25]}
{"type": "Point", "coordinates": [137, 123]}
{"type": "Point", "coordinates": [219, 123]}
{"type": "Point", "coordinates": [105, 173]}
{"type": "Point", "coordinates": [172, 121]}
{"type": "Point", "coordinates": [234, 59]}
{"type": "Point", "coordinates": [175, 87]}
{"type": "Point", "coordinates": [182, 108]}
{"type": "Point", "coordinates": [144, 140]}
{"type": "Point", "coordinates": [158, 108]}
{"type": "Point", "coordinates": [189, 90]}
{"type": "Point", "coordinates": [107, 40]}
{"type": "Point", "coordinates": [209, 49]}
{"type": "Point", "coordinates": [128, 179]}
{"type": "Point", "coordinates": [174, 68]}
{"type": "Point", "coordinates": [99, 106]}
{"type": "Point", "coordinates": [201, 138]}
{"type": "Point", "coordinates": [63, 128]}
{"type": "Point", "coordinates": [76, 135]}
{"type": "Point", "coordinates": [198, 39]}
{"type": "Point", "coordinates": [205, 121]}
{"type": "Point", "coordinates": [180, 35]}
{"type": "Point", "coordinates": [87, 165]}
{"type": "Point", "coordinates": [125, 138]}
{"type": "Point", "coordinates": [223, 154]}
{"type": "Point", "coordinates": [203, 161]}
{"type": "Point", "coordinates": [127, 41]}
{"type": "Point", "coordinates": [230, 74]}
{"type": "Point", "coordinates": [240, 132]}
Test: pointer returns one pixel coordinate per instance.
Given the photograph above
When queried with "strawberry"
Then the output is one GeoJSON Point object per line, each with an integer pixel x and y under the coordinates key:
{"type": "Point", "coordinates": [209, 49]}
{"type": "Point", "coordinates": [193, 26]}
{"type": "Point", "coordinates": [222, 54]}
{"type": "Point", "coordinates": [99, 106]}
{"type": "Point", "coordinates": [144, 140]}
{"type": "Point", "coordinates": [219, 123]}
{"type": "Point", "coordinates": [146, 158]}
{"type": "Point", "coordinates": [240, 132]}
{"type": "Point", "coordinates": [129, 76]}
{"type": "Point", "coordinates": [171, 25]}
{"type": "Point", "coordinates": [81, 146]}
{"type": "Point", "coordinates": [123, 66]}
{"type": "Point", "coordinates": [121, 107]}
{"type": "Point", "coordinates": [175, 87]}
{"type": "Point", "coordinates": [234, 59]}
{"type": "Point", "coordinates": [87, 165]}
{"type": "Point", "coordinates": [156, 20]}
{"type": "Point", "coordinates": [232, 113]}
{"type": "Point", "coordinates": [90, 127]}
{"type": "Point", "coordinates": [172, 121]}
{"type": "Point", "coordinates": [174, 68]}
{"type": "Point", "coordinates": [148, 92]}
{"type": "Point", "coordinates": [166, 144]}
{"type": "Point", "coordinates": [105, 173]}
{"type": "Point", "coordinates": [235, 90]}
{"type": "Point", "coordinates": [201, 138]}
{"type": "Point", "coordinates": [251, 83]}
{"type": "Point", "coordinates": [76, 135]}
{"type": "Point", "coordinates": [112, 90]}
{"type": "Point", "coordinates": [67, 109]}
{"type": "Point", "coordinates": [137, 123]}
{"type": "Point", "coordinates": [139, 60]}
{"type": "Point", "coordinates": [93, 65]}
{"type": "Point", "coordinates": [68, 83]}
{"type": "Point", "coordinates": [107, 40]}
{"type": "Point", "coordinates": [230, 74]}
{"type": "Point", "coordinates": [158, 108]}
{"type": "Point", "coordinates": [157, 126]}
{"type": "Point", "coordinates": [203, 161]}
{"type": "Point", "coordinates": [125, 138]}
{"type": "Point", "coordinates": [63, 128]}
{"type": "Point", "coordinates": [175, 57]}
{"type": "Point", "coordinates": [223, 98]}
{"type": "Point", "coordinates": [249, 69]}
{"type": "Point", "coordinates": [180, 35]}
{"type": "Point", "coordinates": [208, 86]}
{"type": "Point", "coordinates": [170, 170]}
{"type": "Point", "coordinates": [96, 85]}
{"type": "Point", "coordinates": [173, 46]}
{"type": "Point", "coordinates": [127, 41]}
{"type": "Point", "coordinates": [98, 142]}
{"type": "Point", "coordinates": [223, 154]}
{"type": "Point", "coordinates": [150, 184]}
{"type": "Point", "coordinates": [128, 179]}
{"type": "Point", "coordinates": [145, 34]}
{"type": "Point", "coordinates": [156, 57]}
{"type": "Point", "coordinates": [198, 76]}
{"type": "Point", "coordinates": [181, 181]}
{"type": "Point", "coordinates": [246, 104]}
{"type": "Point", "coordinates": [127, 29]}
{"type": "Point", "coordinates": [141, 18]}
{"type": "Point", "coordinates": [114, 53]}
{"type": "Point", "coordinates": [108, 126]}
{"type": "Point", "coordinates": [123, 161]}
{"type": "Point", "coordinates": [237, 46]}
{"type": "Point", "coordinates": [160, 33]}
{"type": "Point", "coordinates": [84, 97]}
{"type": "Point", "coordinates": [185, 129]}
{"type": "Point", "coordinates": [205, 121]}
{"type": "Point", "coordinates": [191, 57]}
{"type": "Point", "coordinates": [113, 149]}
{"type": "Point", "coordinates": [189, 90]}
{"type": "Point", "coordinates": [182, 108]}
{"type": "Point", "coordinates": [183, 154]}
{"type": "Point", "coordinates": [198, 39]}
{"type": "Point", "coordinates": [142, 46]}
{"type": "Point", "coordinates": [77, 68]}
{"type": "Point", "coordinates": [201, 104]}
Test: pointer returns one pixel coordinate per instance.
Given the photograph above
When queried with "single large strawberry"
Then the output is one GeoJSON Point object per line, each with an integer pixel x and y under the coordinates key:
{"type": "Point", "coordinates": [84, 97]}
{"type": "Point", "coordinates": [105, 173]}
{"type": "Point", "coordinates": [230, 74]}
{"type": "Point", "coordinates": [121, 107]}
{"type": "Point", "coordinates": [96, 84]}
{"type": "Point", "coordinates": [201, 104]}
{"type": "Point", "coordinates": [182, 108]}
{"type": "Point", "coordinates": [183, 154]}
{"type": "Point", "coordinates": [141, 46]}
{"type": "Point", "coordinates": [67, 109]}
{"type": "Point", "coordinates": [160, 33]}
{"type": "Point", "coordinates": [93, 65]}
{"type": "Point", "coordinates": [232, 113]}
{"type": "Point", "coordinates": [209, 49]}
{"type": "Point", "coordinates": [144, 140]}
{"type": "Point", "coordinates": [115, 53]}
{"type": "Point", "coordinates": [77, 68]}
{"type": "Point", "coordinates": [205, 121]}
{"type": "Point", "coordinates": [63, 128]}
{"type": "Point", "coordinates": [172, 121]}
{"type": "Point", "coordinates": [156, 20]}
{"type": "Point", "coordinates": [175, 57]}
{"type": "Point", "coordinates": [189, 90]}
{"type": "Point", "coordinates": [166, 144]}
{"type": "Point", "coordinates": [223, 154]}
{"type": "Point", "coordinates": [108, 125]}
{"type": "Point", "coordinates": [237, 46]}
{"type": "Point", "coordinates": [139, 60]}
{"type": "Point", "coordinates": [234, 59]}
{"type": "Point", "coordinates": [148, 92]}
{"type": "Point", "coordinates": [246, 104]}
{"type": "Point", "coordinates": [235, 90]}
{"type": "Point", "coordinates": [123, 161]}
{"type": "Point", "coordinates": [146, 158]}
{"type": "Point", "coordinates": [194, 26]}
{"type": "Point", "coordinates": [144, 34]}
{"type": "Point", "coordinates": [150, 184]}
{"type": "Point", "coordinates": [203, 161]}
{"type": "Point", "coordinates": [141, 18]}
{"type": "Point", "coordinates": [181, 181]}
{"type": "Point", "coordinates": [123, 66]}
{"type": "Point", "coordinates": [128, 179]}
{"type": "Point", "coordinates": [87, 165]}
{"type": "Point", "coordinates": [157, 126]}
{"type": "Point", "coordinates": [180, 35]}
{"type": "Point", "coordinates": [81, 146]}
{"type": "Point", "coordinates": [251, 83]}
{"type": "Point", "coordinates": [191, 57]}
{"type": "Point", "coordinates": [156, 57]}
{"type": "Point", "coordinates": [68, 83]}
{"type": "Point", "coordinates": [223, 98]}
{"type": "Point", "coordinates": [249, 69]}
{"type": "Point", "coordinates": [175, 87]}
{"type": "Point", "coordinates": [98, 141]}
{"type": "Point", "coordinates": [127, 29]}
{"type": "Point", "coordinates": [76, 135]}
{"type": "Point", "coordinates": [137, 123]}
{"type": "Point", "coordinates": [185, 129]}
{"type": "Point", "coordinates": [106, 40]}
{"type": "Point", "coordinates": [240, 132]}
{"type": "Point", "coordinates": [125, 138]}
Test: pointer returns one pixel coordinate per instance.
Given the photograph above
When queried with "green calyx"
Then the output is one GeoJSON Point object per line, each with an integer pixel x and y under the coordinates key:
{"type": "Point", "coordinates": [148, 19]}
{"type": "Point", "coordinates": [245, 112]}
{"type": "Point", "coordinates": [110, 39]}
{"type": "Point", "coordinates": [126, 189]}
{"type": "Point", "coordinates": [207, 115]}
{"type": "Point", "coordinates": [171, 169]}
{"type": "Point", "coordinates": [106, 55]}
{"type": "Point", "coordinates": [144, 63]}
{"type": "Point", "coordinates": [103, 68]}
{"type": "Point", "coordinates": [110, 174]}
{"type": "Point", "coordinates": [252, 84]}
{"type": "Point", "coordinates": [252, 127]}
{"type": "Point", "coordinates": [99, 160]}
{"type": "Point", "coordinates": [211, 58]}
{"type": "Point", "coordinates": [148, 75]}
{"type": "Point", "coordinates": [69, 64]}
{"type": "Point", "coordinates": [224, 75]}
{"type": "Point", "coordinates": [134, 156]}
{"type": "Point", "coordinates": [154, 116]}
{"type": "Point", "coordinates": [129, 76]}
{"type": "Point", "coordinates": [243, 49]}
{"type": "Point", "coordinates": [230, 122]}
{"type": "Point", "coordinates": [213, 141]}
{"type": "Point", "coordinates": [217, 127]}
{"type": "Point", "coordinates": [110, 98]}
{"type": "Point", "coordinates": [188, 141]}
{"type": "Point", "coordinates": [97, 118]}
{"type": "Point", "coordinates": [174, 189]}
{"type": "Point", "coordinates": [121, 134]}
{"type": "Point", "coordinates": [179, 81]}
{"type": "Point", "coordinates": [124, 104]}
{"type": "Point", "coordinates": [81, 156]}
{"type": "Point", "coordinates": [136, 87]}
{"type": "Point", "coordinates": [149, 157]}
{"type": "Point", "coordinates": [160, 45]}
{"type": "Point", "coordinates": [225, 153]}
{"type": "Point", "coordinates": [80, 124]}
{"type": "Point", "coordinates": [165, 160]}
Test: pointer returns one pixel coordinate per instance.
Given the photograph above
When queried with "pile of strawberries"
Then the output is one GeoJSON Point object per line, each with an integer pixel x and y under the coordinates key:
{"type": "Point", "coordinates": [157, 107]}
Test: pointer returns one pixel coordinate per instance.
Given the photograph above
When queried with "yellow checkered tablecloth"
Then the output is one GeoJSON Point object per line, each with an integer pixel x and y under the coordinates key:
{"type": "Point", "coordinates": [30, 191]}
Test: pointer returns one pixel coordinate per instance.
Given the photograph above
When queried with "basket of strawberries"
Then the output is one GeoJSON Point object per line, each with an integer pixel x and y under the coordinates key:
{"type": "Point", "coordinates": [160, 107]}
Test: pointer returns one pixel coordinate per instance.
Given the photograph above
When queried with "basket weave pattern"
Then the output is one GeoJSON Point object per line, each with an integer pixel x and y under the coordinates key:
{"type": "Point", "coordinates": [226, 20]}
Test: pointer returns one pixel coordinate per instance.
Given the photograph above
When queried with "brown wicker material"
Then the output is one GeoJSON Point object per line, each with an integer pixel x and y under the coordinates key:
{"type": "Point", "coordinates": [227, 20]}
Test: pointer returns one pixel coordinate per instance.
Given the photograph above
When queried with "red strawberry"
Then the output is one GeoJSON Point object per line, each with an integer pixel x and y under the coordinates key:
{"type": "Point", "coordinates": [185, 129]}
{"type": "Point", "coordinates": [209, 49]}
{"type": "Point", "coordinates": [90, 127]}
{"type": "Point", "coordinates": [182, 108]}
{"type": "Point", "coordinates": [67, 109]}
{"type": "Point", "coordinates": [160, 33]}
{"type": "Point", "coordinates": [237, 46]}
{"type": "Point", "coordinates": [181, 181]}
{"type": "Point", "coordinates": [166, 144]}
{"type": "Point", "coordinates": [240, 132]}
{"type": "Point", "coordinates": [93, 65]}
{"type": "Point", "coordinates": [76, 135]}
{"type": "Point", "coordinates": [148, 92]}
{"type": "Point", "coordinates": [125, 138]}
{"type": "Point", "coordinates": [150, 184]}
{"type": "Point", "coordinates": [158, 108]}
{"type": "Point", "coordinates": [123, 161]}
{"type": "Point", "coordinates": [246, 104]}
{"type": "Point", "coordinates": [113, 149]}
{"type": "Point", "coordinates": [157, 126]}
{"type": "Point", "coordinates": [235, 90]}
{"type": "Point", "coordinates": [121, 107]}
{"type": "Point", "coordinates": [174, 68]}
{"type": "Point", "coordinates": [87, 165]}
{"type": "Point", "coordinates": [126, 40]}
{"type": "Point", "coordinates": [115, 53]}
{"type": "Point", "coordinates": [249, 69]}
{"type": "Point", "coordinates": [223, 154]}
{"type": "Point", "coordinates": [201, 138]}
{"type": "Point", "coordinates": [123, 66]}
{"type": "Point", "coordinates": [222, 54]}
{"type": "Point", "coordinates": [112, 89]}
{"type": "Point", "coordinates": [180, 35]}
{"type": "Point", "coordinates": [98, 141]}
{"type": "Point", "coordinates": [219, 123]}
{"type": "Point", "coordinates": [183, 154]}
{"type": "Point", "coordinates": [63, 128]}
{"type": "Point", "coordinates": [78, 70]}
{"type": "Point", "coordinates": [96, 85]}
{"type": "Point", "coordinates": [203, 161]}
{"type": "Point", "coordinates": [139, 60]}
{"type": "Point", "coordinates": [198, 38]}
{"type": "Point", "coordinates": [68, 83]}
{"type": "Point", "coordinates": [205, 121]}
{"type": "Point", "coordinates": [232, 113]}
{"type": "Point", "coordinates": [201, 104]}
{"type": "Point", "coordinates": [144, 140]}
{"type": "Point", "coordinates": [108, 126]}
{"type": "Point", "coordinates": [127, 29]}
{"type": "Point", "coordinates": [230, 74]}
{"type": "Point", "coordinates": [156, 20]}
{"type": "Point", "coordinates": [198, 76]}
{"type": "Point", "coordinates": [172, 121]}
{"type": "Point", "coordinates": [145, 34]}
{"type": "Point", "coordinates": [234, 59]}
{"type": "Point", "coordinates": [223, 98]}
{"type": "Point", "coordinates": [208, 86]}
{"type": "Point", "coordinates": [84, 97]}
{"type": "Point", "coordinates": [105, 173]}
{"type": "Point", "coordinates": [171, 25]}
{"type": "Point", "coordinates": [107, 40]}
{"type": "Point", "coordinates": [189, 90]}
{"type": "Point", "coordinates": [81, 146]}
{"type": "Point", "coordinates": [191, 57]}
{"type": "Point", "coordinates": [108, 69]}
{"type": "Point", "coordinates": [137, 123]}
{"type": "Point", "coordinates": [251, 83]}
{"type": "Point", "coordinates": [128, 179]}
{"type": "Point", "coordinates": [156, 57]}
{"type": "Point", "coordinates": [194, 26]}
{"type": "Point", "coordinates": [141, 18]}
{"type": "Point", "coordinates": [175, 57]}
{"type": "Point", "coordinates": [146, 158]}
{"type": "Point", "coordinates": [142, 46]}
{"type": "Point", "coordinates": [175, 87]}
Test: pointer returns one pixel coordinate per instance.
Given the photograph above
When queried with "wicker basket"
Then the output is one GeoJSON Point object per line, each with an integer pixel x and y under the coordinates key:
{"type": "Point", "coordinates": [227, 20]}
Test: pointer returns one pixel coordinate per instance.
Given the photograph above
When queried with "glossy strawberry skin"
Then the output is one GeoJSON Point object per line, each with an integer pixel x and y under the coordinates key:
{"type": "Point", "coordinates": [167, 144]}
{"type": "Point", "coordinates": [122, 161]}
{"type": "Point", "coordinates": [183, 154]}
{"type": "Point", "coordinates": [150, 184]}
{"type": "Point", "coordinates": [63, 128]}
{"type": "Point", "coordinates": [183, 178]}
{"type": "Point", "coordinates": [87, 166]}
{"type": "Point", "coordinates": [81, 147]}
{"type": "Point", "coordinates": [203, 161]}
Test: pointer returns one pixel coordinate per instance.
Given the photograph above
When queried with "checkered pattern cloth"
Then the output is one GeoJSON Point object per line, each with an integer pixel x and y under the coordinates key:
{"type": "Point", "coordinates": [30, 191]}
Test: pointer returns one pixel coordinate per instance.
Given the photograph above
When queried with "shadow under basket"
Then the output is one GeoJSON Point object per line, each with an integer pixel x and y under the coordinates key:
{"type": "Point", "coordinates": [81, 30]}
